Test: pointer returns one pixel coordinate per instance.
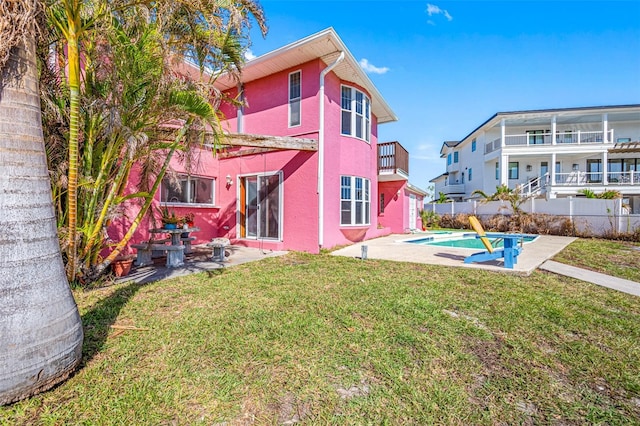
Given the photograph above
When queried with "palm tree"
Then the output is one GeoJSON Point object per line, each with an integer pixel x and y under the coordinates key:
{"type": "Point", "coordinates": [504, 193]}
{"type": "Point", "coordinates": [40, 328]}
{"type": "Point", "coordinates": [205, 32]}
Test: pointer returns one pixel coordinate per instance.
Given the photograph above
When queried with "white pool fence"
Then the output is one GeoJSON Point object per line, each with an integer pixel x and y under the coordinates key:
{"type": "Point", "coordinates": [589, 216]}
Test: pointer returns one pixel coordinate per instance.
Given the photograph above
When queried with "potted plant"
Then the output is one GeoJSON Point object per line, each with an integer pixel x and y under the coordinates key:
{"type": "Point", "coordinates": [121, 265]}
{"type": "Point", "coordinates": [189, 219]}
{"type": "Point", "coordinates": [169, 218]}
{"type": "Point", "coordinates": [187, 222]}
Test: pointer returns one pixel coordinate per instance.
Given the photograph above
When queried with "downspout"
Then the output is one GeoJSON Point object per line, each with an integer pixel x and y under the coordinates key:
{"type": "Point", "coordinates": [323, 73]}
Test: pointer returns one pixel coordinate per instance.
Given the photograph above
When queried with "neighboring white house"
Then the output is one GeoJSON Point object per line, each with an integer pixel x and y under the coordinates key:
{"type": "Point", "coordinates": [548, 153]}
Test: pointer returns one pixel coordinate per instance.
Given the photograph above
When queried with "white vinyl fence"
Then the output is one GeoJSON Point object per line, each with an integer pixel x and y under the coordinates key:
{"type": "Point", "coordinates": [588, 215]}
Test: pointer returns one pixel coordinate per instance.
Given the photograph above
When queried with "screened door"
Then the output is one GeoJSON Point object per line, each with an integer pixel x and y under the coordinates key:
{"type": "Point", "coordinates": [261, 207]}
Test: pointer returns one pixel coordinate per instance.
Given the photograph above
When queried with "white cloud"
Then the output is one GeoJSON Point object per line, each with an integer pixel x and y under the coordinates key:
{"type": "Point", "coordinates": [432, 10]}
{"type": "Point", "coordinates": [364, 63]}
{"type": "Point", "coordinates": [248, 55]}
{"type": "Point", "coordinates": [426, 151]}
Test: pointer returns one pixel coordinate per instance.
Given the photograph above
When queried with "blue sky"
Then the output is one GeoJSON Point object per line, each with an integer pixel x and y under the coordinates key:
{"type": "Point", "coordinates": [445, 67]}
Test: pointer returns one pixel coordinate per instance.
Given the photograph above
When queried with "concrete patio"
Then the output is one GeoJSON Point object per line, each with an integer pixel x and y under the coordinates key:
{"type": "Point", "coordinates": [394, 247]}
{"type": "Point", "coordinates": [197, 261]}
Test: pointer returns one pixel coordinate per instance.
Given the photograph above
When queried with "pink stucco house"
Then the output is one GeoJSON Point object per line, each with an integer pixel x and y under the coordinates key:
{"type": "Point", "coordinates": [324, 181]}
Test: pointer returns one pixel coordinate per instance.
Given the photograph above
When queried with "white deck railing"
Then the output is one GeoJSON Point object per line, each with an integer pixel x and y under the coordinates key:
{"type": "Point", "coordinates": [595, 178]}
{"type": "Point", "coordinates": [530, 139]}
{"type": "Point", "coordinates": [534, 186]}
{"type": "Point", "coordinates": [452, 189]}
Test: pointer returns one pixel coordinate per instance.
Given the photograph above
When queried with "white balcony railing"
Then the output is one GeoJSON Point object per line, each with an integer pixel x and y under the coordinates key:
{"type": "Point", "coordinates": [452, 189]}
{"type": "Point", "coordinates": [579, 178]}
{"type": "Point", "coordinates": [530, 139]}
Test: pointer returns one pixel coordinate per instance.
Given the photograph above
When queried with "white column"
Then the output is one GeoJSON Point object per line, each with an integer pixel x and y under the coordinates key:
{"type": "Point", "coordinates": [605, 168]}
{"type": "Point", "coordinates": [504, 170]}
{"type": "Point", "coordinates": [552, 169]}
{"type": "Point", "coordinates": [553, 129]}
{"type": "Point", "coordinates": [605, 128]}
{"type": "Point", "coordinates": [240, 121]}
{"type": "Point", "coordinates": [503, 132]}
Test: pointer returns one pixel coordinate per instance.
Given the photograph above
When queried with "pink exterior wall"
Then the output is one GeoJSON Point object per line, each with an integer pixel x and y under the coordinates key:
{"type": "Point", "coordinates": [267, 114]}
{"type": "Point", "coordinates": [396, 207]}
{"type": "Point", "coordinates": [299, 198]}
{"type": "Point", "coordinates": [346, 156]}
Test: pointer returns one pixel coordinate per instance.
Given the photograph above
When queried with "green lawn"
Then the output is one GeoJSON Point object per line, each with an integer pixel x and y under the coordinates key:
{"type": "Point", "coordinates": [617, 258]}
{"type": "Point", "coordinates": [331, 340]}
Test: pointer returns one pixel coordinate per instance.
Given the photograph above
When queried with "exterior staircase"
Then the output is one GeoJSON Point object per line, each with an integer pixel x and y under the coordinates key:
{"type": "Point", "coordinates": [534, 187]}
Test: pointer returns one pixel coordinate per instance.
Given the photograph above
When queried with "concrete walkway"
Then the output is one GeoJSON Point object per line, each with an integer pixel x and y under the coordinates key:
{"type": "Point", "coordinates": [395, 247]}
{"type": "Point", "coordinates": [620, 284]}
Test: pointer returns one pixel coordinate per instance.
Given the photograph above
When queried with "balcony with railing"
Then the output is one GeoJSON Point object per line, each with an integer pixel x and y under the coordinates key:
{"type": "Point", "coordinates": [455, 189]}
{"type": "Point", "coordinates": [561, 138]}
{"type": "Point", "coordinates": [578, 178]}
{"type": "Point", "coordinates": [393, 162]}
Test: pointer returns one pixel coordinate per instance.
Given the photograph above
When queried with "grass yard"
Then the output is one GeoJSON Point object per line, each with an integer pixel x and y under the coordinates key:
{"type": "Point", "coordinates": [617, 258]}
{"type": "Point", "coordinates": [319, 339]}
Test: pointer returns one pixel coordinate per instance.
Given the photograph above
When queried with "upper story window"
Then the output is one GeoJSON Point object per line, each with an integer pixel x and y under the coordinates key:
{"type": "Point", "coordinates": [455, 157]}
{"type": "Point", "coordinates": [473, 145]}
{"type": "Point", "coordinates": [449, 159]}
{"type": "Point", "coordinates": [188, 190]}
{"type": "Point", "coordinates": [536, 136]}
{"type": "Point", "coordinates": [355, 204]}
{"type": "Point", "coordinates": [295, 97]}
{"type": "Point", "coordinates": [356, 113]}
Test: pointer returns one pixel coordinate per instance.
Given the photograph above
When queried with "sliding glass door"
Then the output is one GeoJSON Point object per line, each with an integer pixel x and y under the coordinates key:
{"type": "Point", "coordinates": [260, 207]}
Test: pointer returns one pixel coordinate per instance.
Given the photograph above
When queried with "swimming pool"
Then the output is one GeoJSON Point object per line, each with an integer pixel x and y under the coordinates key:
{"type": "Point", "coordinates": [462, 240]}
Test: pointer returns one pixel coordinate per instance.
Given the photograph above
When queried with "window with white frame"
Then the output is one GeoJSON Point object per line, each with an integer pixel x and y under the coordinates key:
{"type": "Point", "coordinates": [188, 190]}
{"type": "Point", "coordinates": [355, 204]}
{"type": "Point", "coordinates": [448, 159]}
{"type": "Point", "coordinates": [473, 145]}
{"type": "Point", "coordinates": [470, 174]}
{"type": "Point", "coordinates": [455, 156]}
{"type": "Point", "coordinates": [356, 113]}
{"type": "Point", "coordinates": [295, 97]}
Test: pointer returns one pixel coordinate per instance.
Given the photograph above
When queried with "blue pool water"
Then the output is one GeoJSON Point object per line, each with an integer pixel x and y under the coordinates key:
{"type": "Point", "coordinates": [462, 241]}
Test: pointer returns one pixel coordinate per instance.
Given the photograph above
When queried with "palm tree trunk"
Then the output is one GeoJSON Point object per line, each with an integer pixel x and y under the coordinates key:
{"type": "Point", "coordinates": [40, 328]}
{"type": "Point", "coordinates": [74, 119]}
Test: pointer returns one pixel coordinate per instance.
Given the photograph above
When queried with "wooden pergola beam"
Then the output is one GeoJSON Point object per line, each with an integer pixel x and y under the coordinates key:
{"type": "Point", "coordinates": [274, 142]}
{"type": "Point", "coordinates": [243, 152]}
{"type": "Point", "coordinates": [251, 140]}
{"type": "Point", "coordinates": [623, 147]}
